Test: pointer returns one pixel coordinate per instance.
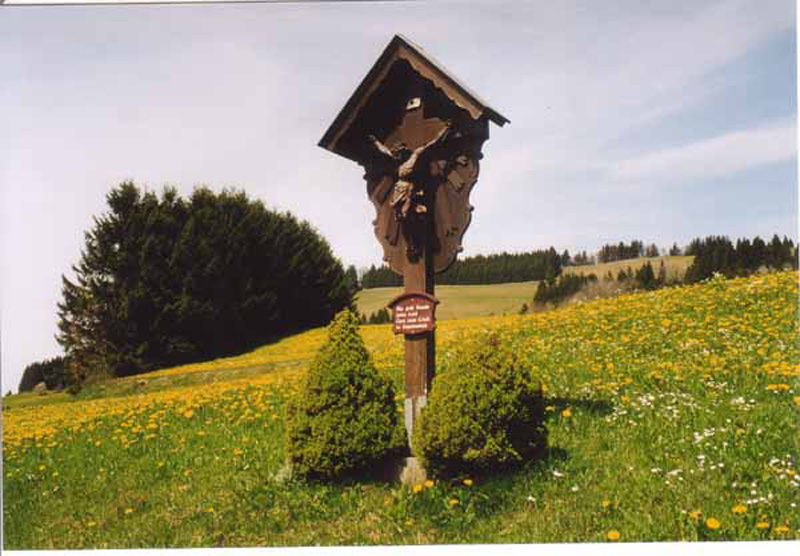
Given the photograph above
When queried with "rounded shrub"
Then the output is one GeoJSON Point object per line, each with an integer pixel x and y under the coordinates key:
{"type": "Point", "coordinates": [485, 411]}
{"type": "Point", "coordinates": [344, 417]}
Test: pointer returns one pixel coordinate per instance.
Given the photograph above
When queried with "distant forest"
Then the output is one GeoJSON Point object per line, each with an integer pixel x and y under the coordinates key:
{"type": "Point", "coordinates": [720, 254]}
{"type": "Point", "coordinates": [712, 254]}
{"type": "Point", "coordinates": [483, 269]}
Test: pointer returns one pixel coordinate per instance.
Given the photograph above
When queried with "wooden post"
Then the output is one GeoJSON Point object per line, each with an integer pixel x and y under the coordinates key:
{"type": "Point", "coordinates": [420, 348]}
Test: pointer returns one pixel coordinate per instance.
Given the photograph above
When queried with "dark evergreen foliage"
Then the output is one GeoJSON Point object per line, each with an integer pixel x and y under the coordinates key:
{"type": "Point", "coordinates": [483, 269]}
{"type": "Point", "coordinates": [582, 259]}
{"type": "Point", "coordinates": [718, 254]}
{"type": "Point", "coordinates": [50, 371]}
{"type": "Point", "coordinates": [381, 277]}
{"type": "Point", "coordinates": [351, 277]}
{"type": "Point", "coordinates": [556, 291]}
{"type": "Point", "coordinates": [645, 277]}
{"type": "Point", "coordinates": [381, 316]}
{"type": "Point", "coordinates": [163, 281]}
{"type": "Point", "coordinates": [651, 250]}
{"type": "Point", "coordinates": [621, 251]}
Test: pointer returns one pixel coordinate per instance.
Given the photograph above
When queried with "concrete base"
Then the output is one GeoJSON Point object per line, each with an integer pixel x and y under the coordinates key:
{"type": "Point", "coordinates": [413, 473]}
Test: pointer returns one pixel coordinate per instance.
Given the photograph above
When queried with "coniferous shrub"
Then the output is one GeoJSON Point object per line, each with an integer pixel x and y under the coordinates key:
{"type": "Point", "coordinates": [485, 412]}
{"type": "Point", "coordinates": [344, 418]}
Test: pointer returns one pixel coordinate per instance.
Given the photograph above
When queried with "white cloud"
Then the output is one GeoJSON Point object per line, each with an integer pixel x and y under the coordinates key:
{"type": "Point", "coordinates": [713, 158]}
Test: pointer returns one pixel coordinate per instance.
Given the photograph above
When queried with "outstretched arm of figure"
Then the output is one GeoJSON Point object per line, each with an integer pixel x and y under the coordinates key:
{"type": "Point", "coordinates": [439, 137]}
{"type": "Point", "coordinates": [422, 153]}
{"type": "Point", "coordinates": [383, 149]}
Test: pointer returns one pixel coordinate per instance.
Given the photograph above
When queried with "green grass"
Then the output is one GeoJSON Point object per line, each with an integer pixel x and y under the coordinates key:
{"type": "Point", "coordinates": [460, 302]}
{"type": "Point", "coordinates": [660, 405]}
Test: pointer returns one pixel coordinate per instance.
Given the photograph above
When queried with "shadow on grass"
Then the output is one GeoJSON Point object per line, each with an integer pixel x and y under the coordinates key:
{"type": "Point", "coordinates": [597, 407]}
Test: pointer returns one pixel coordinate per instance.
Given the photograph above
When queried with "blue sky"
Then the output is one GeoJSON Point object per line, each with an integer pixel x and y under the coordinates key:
{"type": "Point", "coordinates": [660, 121]}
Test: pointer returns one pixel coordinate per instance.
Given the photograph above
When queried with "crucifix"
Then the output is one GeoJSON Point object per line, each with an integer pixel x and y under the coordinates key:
{"type": "Point", "coordinates": [418, 134]}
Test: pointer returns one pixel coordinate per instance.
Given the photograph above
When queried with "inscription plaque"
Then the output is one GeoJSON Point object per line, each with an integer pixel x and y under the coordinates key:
{"type": "Point", "coordinates": [414, 313]}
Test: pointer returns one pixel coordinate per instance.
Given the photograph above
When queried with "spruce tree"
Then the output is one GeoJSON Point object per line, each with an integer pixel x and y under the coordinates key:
{"type": "Point", "coordinates": [163, 281]}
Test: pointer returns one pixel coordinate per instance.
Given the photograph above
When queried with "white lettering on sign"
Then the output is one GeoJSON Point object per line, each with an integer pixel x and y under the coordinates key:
{"type": "Point", "coordinates": [412, 316]}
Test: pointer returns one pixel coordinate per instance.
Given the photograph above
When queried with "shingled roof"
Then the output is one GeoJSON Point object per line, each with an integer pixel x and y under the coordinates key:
{"type": "Point", "coordinates": [400, 48]}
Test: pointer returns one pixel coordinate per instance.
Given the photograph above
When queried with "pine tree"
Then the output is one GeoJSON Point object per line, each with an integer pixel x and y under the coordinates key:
{"type": "Point", "coordinates": [163, 281]}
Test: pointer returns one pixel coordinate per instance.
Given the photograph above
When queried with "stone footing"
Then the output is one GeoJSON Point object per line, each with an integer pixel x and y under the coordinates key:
{"type": "Point", "coordinates": [413, 473]}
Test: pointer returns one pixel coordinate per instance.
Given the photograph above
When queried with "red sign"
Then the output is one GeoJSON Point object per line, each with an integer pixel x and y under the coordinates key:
{"type": "Point", "coordinates": [413, 313]}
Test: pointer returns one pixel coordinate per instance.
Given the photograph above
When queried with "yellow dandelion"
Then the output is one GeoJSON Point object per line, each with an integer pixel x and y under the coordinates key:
{"type": "Point", "coordinates": [128, 511]}
{"type": "Point", "coordinates": [429, 483]}
{"type": "Point", "coordinates": [739, 509]}
{"type": "Point", "coordinates": [712, 523]}
{"type": "Point", "coordinates": [417, 488]}
{"type": "Point", "coordinates": [210, 510]}
{"type": "Point", "coordinates": [762, 525]}
{"type": "Point", "coordinates": [781, 529]}
{"type": "Point", "coordinates": [797, 400]}
{"type": "Point", "coordinates": [468, 482]}
{"type": "Point", "coordinates": [613, 535]}
{"type": "Point", "coordinates": [550, 408]}
{"type": "Point", "coordinates": [567, 413]}
{"type": "Point", "coordinates": [695, 514]}
{"type": "Point", "coordinates": [605, 503]}
{"type": "Point", "coordinates": [188, 413]}
{"type": "Point", "coordinates": [453, 502]}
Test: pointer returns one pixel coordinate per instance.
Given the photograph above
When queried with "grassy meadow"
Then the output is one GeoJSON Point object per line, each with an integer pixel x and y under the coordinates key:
{"type": "Point", "coordinates": [675, 266]}
{"type": "Point", "coordinates": [460, 302]}
{"type": "Point", "coordinates": [673, 415]}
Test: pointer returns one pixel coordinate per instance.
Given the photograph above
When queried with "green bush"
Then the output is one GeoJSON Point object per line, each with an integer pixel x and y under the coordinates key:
{"type": "Point", "coordinates": [485, 411]}
{"type": "Point", "coordinates": [344, 417]}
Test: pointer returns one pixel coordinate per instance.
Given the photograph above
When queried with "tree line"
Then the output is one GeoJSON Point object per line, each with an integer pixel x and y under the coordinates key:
{"type": "Point", "coordinates": [52, 372]}
{"type": "Point", "coordinates": [164, 281]}
{"type": "Point", "coordinates": [482, 269]}
{"type": "Point", "coordinates": [712, 254]}
{"type": "Point", "coordinates": [719, 254]}
{"type": "Point", "coordinates": [636, 248]}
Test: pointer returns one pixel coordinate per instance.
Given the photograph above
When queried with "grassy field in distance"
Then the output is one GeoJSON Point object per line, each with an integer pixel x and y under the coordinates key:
{"type": "Point", "coordinates": [459, 302]}
{"type": "Point", "coordinates": [675, 266]}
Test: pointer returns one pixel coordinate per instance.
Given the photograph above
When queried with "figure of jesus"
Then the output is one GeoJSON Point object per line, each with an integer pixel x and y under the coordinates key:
{"type": "Point", "coordinates": [411, 169]}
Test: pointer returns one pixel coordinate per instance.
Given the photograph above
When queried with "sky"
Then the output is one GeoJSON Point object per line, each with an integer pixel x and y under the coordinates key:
{"type": "Point", "coordinates": [659, 121]}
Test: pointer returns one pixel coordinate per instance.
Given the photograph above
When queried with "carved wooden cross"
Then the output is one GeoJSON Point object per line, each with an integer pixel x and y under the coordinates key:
{"type": "Point", "coordinates": [418, 133]}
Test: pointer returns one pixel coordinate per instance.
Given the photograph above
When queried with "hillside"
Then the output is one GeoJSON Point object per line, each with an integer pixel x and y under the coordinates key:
{"type": "Point", "coordinates": [458, 302]}
{"type": "Point", "coordinates": [672, 416]}
{"type": "Point", "coordinates": [675, 266]}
